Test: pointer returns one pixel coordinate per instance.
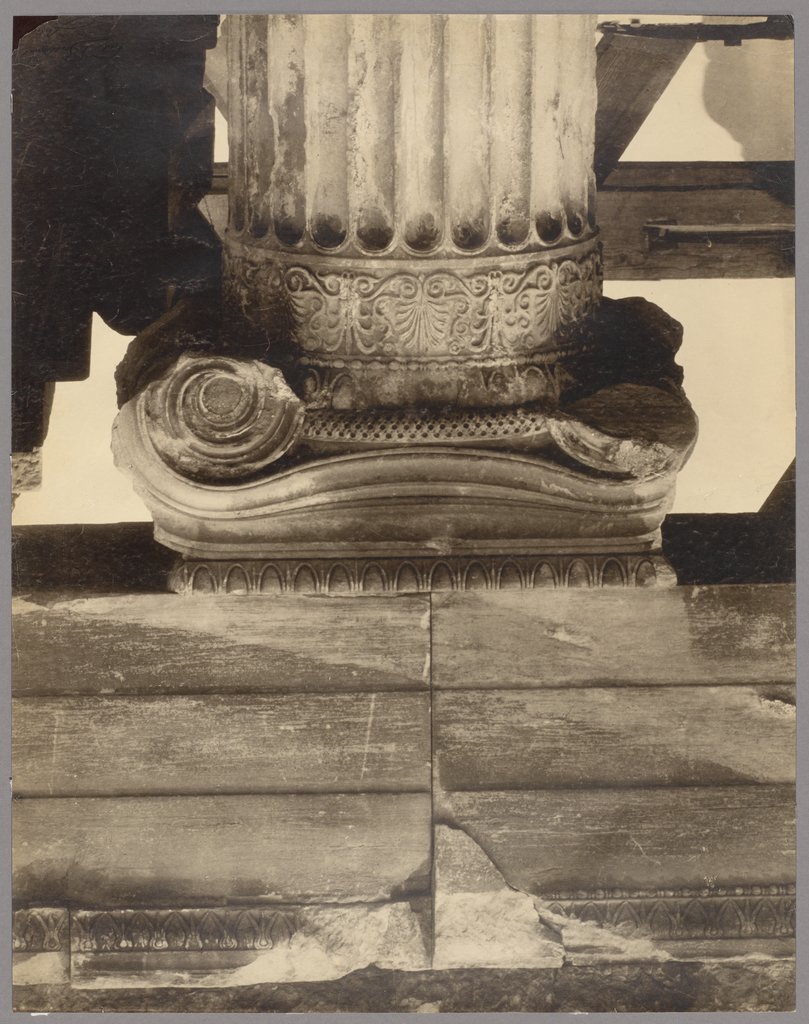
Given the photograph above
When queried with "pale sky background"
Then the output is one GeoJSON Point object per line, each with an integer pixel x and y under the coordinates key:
{"type": "Point", "coordinates": [738, 352]}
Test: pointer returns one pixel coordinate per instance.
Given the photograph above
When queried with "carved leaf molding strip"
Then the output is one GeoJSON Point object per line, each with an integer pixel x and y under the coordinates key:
{"type": "Point", "coordinates": [175, 930]}
{"type": "Point", "coordinates": [756, 913]}
{"type": "Point", "coordinates": [40, 930]}
{"type": "Point", "coordinates": [378, 575]}
{"type": "Point", "coordinates": [693, 917]}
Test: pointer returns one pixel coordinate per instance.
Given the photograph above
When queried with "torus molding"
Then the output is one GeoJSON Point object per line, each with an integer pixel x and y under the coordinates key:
{"type": "Point", "coordinates": [414, 575]}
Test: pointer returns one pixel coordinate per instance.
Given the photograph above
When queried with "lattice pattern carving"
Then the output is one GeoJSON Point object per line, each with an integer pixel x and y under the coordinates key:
{"type": "Point", "coordinates": [405, 427]}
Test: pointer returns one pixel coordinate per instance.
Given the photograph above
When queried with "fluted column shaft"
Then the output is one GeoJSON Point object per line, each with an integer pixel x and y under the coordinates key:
{"type": "Point", "coordinates": [418, 191]}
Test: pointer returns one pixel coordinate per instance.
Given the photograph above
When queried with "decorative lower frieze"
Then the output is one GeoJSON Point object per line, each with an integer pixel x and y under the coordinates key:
{"type": "Point", "coordinates": [217, 928]}
{"type": "Point", "coordinates": [740, 912]}
{"type": "Point", "coordinates": [416, 575]}
{"type": "Point", "coordinates": [446, 309]}
{"type": "Point", "coordinates": [40, 929]}
{"type": "Point", "coordinates": [220, 947]}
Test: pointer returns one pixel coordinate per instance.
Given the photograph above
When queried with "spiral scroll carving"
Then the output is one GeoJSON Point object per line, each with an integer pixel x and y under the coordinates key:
{"type": "Point", "coordinates": [214, 418]}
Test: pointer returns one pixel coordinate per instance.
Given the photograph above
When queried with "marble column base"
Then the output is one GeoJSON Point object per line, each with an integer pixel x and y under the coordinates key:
{"type": "Point", "coordinates": [410, 518]}
{"type": "Point", "coordinates": [263, 490]}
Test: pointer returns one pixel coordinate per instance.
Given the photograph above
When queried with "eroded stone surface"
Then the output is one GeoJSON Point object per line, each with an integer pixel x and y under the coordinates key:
{"type": "Point", "coordinates": [327, 943]}
{"type": "Point", "coordinates": [672, 987]}
{"type": "Point", "coordinates": [585, 941]}
{"type": "Point", "coordinates": [26, 472]}
{"type": "Point", "coordinates": [43, 968]}
{"type": "Point", "coordinates": [479, 920]}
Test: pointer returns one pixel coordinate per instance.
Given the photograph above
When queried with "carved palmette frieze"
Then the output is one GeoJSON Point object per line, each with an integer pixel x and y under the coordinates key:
{"type": "Point", "coordinates": [40, 929]}
{"type": "Point", "coordinates": [416, 575]}
{"type": "Point", "coordinates": [744, 912]}
{"type": "Point", "coordinates": [739, 912]}
{"type": "Point", "coordinates": [218, 928]}
{"type": "Point", "coordinates": [423, 312]}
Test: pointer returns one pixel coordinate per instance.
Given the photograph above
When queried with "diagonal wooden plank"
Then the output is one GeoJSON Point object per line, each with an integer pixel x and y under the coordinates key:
{"type": "Point", "coordinates": [631, 74]}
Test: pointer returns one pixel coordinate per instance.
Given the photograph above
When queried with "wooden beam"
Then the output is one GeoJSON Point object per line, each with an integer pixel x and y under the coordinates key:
{"type": "Point", "coordinates": [748, 197]}
{"type": "Point", "coordinates": [631, 73]}
{"type": "Point", "coordinates": [731, 33]}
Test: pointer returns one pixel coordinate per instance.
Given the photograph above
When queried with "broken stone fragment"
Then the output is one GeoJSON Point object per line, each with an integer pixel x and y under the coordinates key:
{"type": "Point", "coordinates": [323, 943]}
{"type": "Point", "coordinates": [630, 429]}
{"type": "Point", "coordinates": [480, 921]}
{"type": "Point", "coordinates": [26, 472]}
{"type": "Point", "coordinates": [586, 941]}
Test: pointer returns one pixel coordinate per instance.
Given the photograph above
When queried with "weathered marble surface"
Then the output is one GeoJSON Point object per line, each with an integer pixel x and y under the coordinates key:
{"type": "Point", "coordinates": [304, 847]}
{"type": "Point", "coordinates": [155, 643]}
{"type": "Point", "coordinates": [212, 743]}
{"type": "Point", "coordinates": [546, 840]}
{"type": "Point", "coordinates": [480, 921]}
{"type": "Point", "coordinates": [674, 987]}
{"type": "Point", "coordinates": [660, 856]}
{"type": "Point", "coordinates": [686, 635]}
{"type": "Point", "coordinates": [614, 736]}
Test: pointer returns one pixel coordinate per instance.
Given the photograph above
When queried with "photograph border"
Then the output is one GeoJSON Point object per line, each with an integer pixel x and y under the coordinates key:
{"type": "Point", "coordinates": [7, 11]}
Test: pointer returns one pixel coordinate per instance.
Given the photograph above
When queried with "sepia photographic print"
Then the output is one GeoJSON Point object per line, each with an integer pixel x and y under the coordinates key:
{"type": "Point", "coordinates": [403, 548]}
